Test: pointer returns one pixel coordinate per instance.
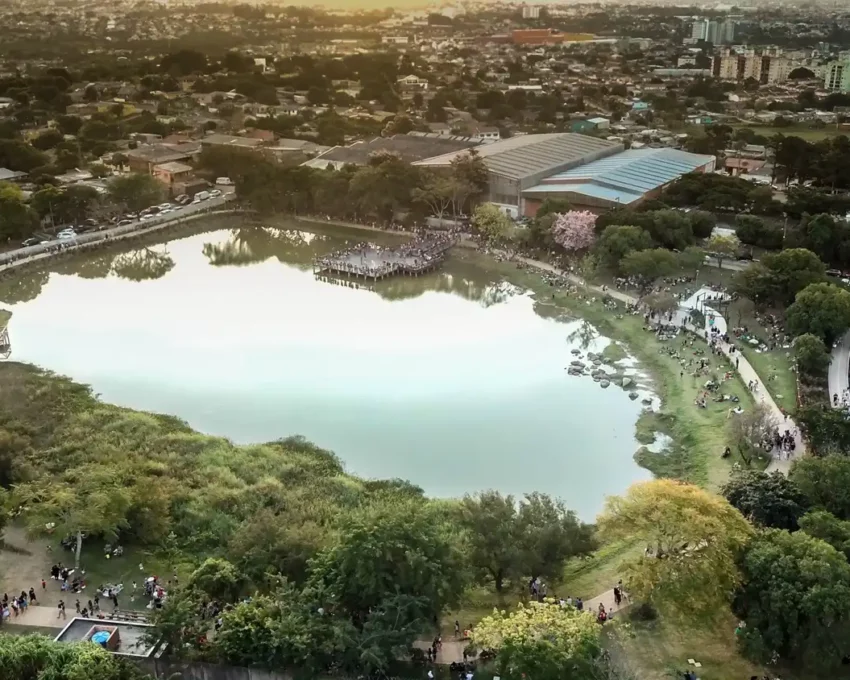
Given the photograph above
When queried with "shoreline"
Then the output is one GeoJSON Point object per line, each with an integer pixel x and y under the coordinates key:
{"type": "Point", "coordinates": [683, 459]}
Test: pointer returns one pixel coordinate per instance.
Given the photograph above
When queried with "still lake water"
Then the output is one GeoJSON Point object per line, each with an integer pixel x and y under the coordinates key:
{"type": "Point", "coordinates": [453, 381]}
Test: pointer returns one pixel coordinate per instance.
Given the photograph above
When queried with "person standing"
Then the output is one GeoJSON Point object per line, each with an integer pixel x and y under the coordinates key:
{"type": "Point", "coordinates": [61, 614]}
{"type": "Point", "coordinates": [78, 606]}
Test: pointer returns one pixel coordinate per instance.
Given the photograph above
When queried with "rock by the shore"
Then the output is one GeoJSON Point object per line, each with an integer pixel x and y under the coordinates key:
{"type": "Point", "coordinates": [647, 401]}
{"type": "Point", "coordinates": [577, 363]}
{"type": "Point", "coordinates": [604, 383]}
{"type": "Point", "coordinates": [627, 381]}
{"type": "Point", "coordinates": [575, 350]}
{"type": "Point", "coordinates": [633, 395]}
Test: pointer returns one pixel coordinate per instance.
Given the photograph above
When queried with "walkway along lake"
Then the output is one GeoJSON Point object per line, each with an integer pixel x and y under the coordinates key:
{"type": "Point", "coordinates": [451, 380]}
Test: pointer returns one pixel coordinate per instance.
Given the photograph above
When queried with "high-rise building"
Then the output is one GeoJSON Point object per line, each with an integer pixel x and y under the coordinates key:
{"type": "Point", "coordinates": [717, 33]}
{"type": "Point", "coordinates": [836, 76]}
{"type": "Point", "coordinates": [699, 30]}
{"type": "Point", "coordinates": [766, 67]}
{"type": "Point", "coordinates": [530, 12]}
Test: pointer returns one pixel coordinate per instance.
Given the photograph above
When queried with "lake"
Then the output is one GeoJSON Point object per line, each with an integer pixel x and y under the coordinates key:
{"type": "Point", "coordinates": [453, 381]}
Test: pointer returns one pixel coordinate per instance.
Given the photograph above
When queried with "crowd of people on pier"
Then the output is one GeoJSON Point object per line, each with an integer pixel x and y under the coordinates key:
{"type": "Point", "coordinates": [376, 261]}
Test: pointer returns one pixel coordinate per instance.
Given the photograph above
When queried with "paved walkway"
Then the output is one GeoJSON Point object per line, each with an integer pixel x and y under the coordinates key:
{"type": "Point", "coordinates": [701, 301]}
{"type": "Point", "coordinates": [41, 617]}
{"type": "Point", "coordinates": [839, 369]}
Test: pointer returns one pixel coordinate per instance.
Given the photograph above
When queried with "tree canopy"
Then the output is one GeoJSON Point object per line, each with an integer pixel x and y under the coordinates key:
{"type": "Point", "coordinates": [795, 599]}
{"type": "Point", "coordinates": [821, 309]}
{"type": "Point", "coordinates": [693, 539]}
{"type": "Point", "coordinates": [768, 500]}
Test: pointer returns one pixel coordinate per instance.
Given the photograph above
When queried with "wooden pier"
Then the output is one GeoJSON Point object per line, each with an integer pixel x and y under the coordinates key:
{"type": "Point", "coordinates": [371, 262]}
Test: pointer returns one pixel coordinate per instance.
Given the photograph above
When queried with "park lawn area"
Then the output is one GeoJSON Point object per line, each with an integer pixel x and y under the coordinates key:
{"type": "Point", "coordinates": [699, 435]}
{"type": "Point", "coordinates": [810, 134]}
{"type": "Point", "coordinates": [587, 577]}
{"type": "Point", "coordinates": [776, 368]}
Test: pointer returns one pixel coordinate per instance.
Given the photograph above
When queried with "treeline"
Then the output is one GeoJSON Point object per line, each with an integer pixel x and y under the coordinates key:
{"type": "Point", "coordinates": [380, 190]}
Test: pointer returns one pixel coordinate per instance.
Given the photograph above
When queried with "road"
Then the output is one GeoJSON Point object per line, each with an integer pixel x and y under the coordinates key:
{"type": "Point", "coordinates": [839, 368]}
{"type": "Point", "coordinates": [43, 251]}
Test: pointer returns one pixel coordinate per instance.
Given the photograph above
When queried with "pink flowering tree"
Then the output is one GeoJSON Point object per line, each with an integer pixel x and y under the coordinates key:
{"type": "Point", "coordinates": [573, 230]}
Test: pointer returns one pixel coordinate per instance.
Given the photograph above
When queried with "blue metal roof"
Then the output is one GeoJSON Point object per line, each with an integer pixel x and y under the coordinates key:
{"type": "Point", "coordinates": [624, 177]}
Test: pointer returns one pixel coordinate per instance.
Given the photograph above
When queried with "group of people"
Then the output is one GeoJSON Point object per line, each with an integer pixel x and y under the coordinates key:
{"type": "Point", "coordinates": [77, 583]}
{"type": "Point", "coordinates": [17, 605]}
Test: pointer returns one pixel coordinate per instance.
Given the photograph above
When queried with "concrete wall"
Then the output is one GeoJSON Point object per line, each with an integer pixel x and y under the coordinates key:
{"type": "Point", "coordinates": [175, 670]}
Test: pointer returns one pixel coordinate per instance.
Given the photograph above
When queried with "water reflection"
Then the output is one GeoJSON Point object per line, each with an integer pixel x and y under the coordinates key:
{"type": "Point", "coordinates": [453, 380]}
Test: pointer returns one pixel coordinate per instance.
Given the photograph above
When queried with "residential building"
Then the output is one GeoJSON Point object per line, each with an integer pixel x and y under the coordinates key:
{"type": "Point", "coordinates": [836, 76]}
{"type": "Point", "coordinates": [768, 67]}
{"type": "Point", "coordinates": [530, 12]}
{"type": "Point", "coordinates": [172, 173]}
{"type": "Point", "coordinates": [715, 32]}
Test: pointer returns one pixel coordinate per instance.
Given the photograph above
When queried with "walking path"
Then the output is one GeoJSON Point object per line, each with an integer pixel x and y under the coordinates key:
{"type": "Point", "coordinates": [745, 370]}
{"type": "Point", "coordinates": [839, 370]}
{"type": "Point", "coordinates": [40, 617]}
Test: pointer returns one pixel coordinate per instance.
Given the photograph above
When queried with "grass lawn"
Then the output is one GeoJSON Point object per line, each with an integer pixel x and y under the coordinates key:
{"type": "Point", "coordinates": [587, 577]}
{"type": "Point", "coordinates": [810, 134]}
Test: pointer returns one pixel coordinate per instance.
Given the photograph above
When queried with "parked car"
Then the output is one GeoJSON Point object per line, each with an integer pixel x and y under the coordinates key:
{"type": "Point", "coordinates": [66, 235]}
{"type": "Point", "coordinates": [31, 242]}
{"type": "Point", "coordinates": [224, 181]}
{"type": "Point", "coordinates": [215, 193]}
{"type": "Point", "coordinates": [164, 206]}
{"type": "Point", "coordinates": [124, 223]}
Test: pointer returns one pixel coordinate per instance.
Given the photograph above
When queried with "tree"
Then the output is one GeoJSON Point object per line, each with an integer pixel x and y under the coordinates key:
{"type": "Point", "coordinates": [91, 500]}
{"type": "Point", "coordinates": [693, 539]}
{"type": "Point", "coordinates": [389, 549]}
{"type": "Point", "coordinates": [795, 600]}
{"type": "Point", "coordinates": [135, 191]}
{"type": "Point", "coordinates": [749, 431]}
{"type": "Point", "coordinates": [756, 232]}
{"type": "Point", "coordinates": [702, 223]}
{"type": "Point", "coordinates": [541, 640]}
{"type": "Point", "coordinates": [17, 220]}
{"type": "Point", "coordinates": [692, 259]}
{"type": "Point", "coordinates": [825, 482]}
{"type": "Point", "coordinates": [822, 235]}
{"type": "Point", "coordinates": [811, 354]}
{"type": "Point", "coordinates": [437, 193]}
{"type": "Point", "coordinates": [47, 140]}
{"type": "Point", "coordinates": [768, 500]}
{"type": "Point", "coordinates": [827, 527]}
{"type": "Point", "coordinates": [28, 657]}
{"type": "Point", "coordinates": [648, 265]}
{"type": "Point", "coordinates": [722, 247]}
{"type": "Point", "coordinates": [661, 303]}
{"type": "Point", "coordinates": [217, 579]}
{"type": "Point", "coordinates": [780, 276]}
{"type": "Point", "coordinates": [821, 309]}
{"type": "Point", "coordinates": [492, 223]}
{"type": "Point", "coordinates": [69, 125]}
{"type": "Point", "coordinates": [617, 241]}
{"type": "Point", "coordinates": [573, 230]}
{"type": "Point", "coordinates": [491, 521]}
{"type": "Point", "coordinates": [472, 177]}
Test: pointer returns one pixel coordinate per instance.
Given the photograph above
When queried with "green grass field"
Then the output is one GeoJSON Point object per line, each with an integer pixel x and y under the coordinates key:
{"type": "Point", "coordinates": [810, 134]}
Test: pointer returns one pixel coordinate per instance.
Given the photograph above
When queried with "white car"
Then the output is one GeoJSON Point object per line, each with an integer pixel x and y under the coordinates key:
{"type": "Point", "coordinates": [165, 211]}
{"type": "Point", "coordinates": [215, 193]}
{"type": "Point", "coordinates": [163, 206]}
{"type": "Point", "coordinates": [224, 181]}
{"type": "Point", "coordinates": [66, 236]}
{"type": "Point", "coordinates": [146, 217]}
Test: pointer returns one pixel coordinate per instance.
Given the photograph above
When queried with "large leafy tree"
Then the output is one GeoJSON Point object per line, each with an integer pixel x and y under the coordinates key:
{"type": "Point", "coordinates": [574, 231]}
{"type": "Point", "coordinates": [650, 264]}
{"type": "Point", "coordinates": [492, 223]}
{"type": "Point", "coordinates": [507, 539]}
{"type": "Point", "coordinates": [821, 309]}
{"type": "Point", "coordinates": [780, 276]}
{"type": "Point", "coordinates": [89, 500]}
{"type": "Point", "coordinates": [827, 527]}
{"type": "Point", "coordinates": [693, 539]}
{"type": "Point", "coordinates": [617, 241]}
{"type": "Point", "coordinates": [769, 500]}
{"type": "Point", "coordinates": [541, 640]}
{"type": "Point", "coordinates": [811, 354]}
{"type": "Point", "coordinates": [397, 547]}
{"type": "Point", "coordinates": [135, 191]}
{"type": "Point", "coordinates": [795, 600]}
{"type": "Point", "coordinates": [825, 482]}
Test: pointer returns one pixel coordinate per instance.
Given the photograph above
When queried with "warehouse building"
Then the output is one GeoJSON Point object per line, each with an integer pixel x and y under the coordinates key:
{"type": "Point", "coordinates": [624, 179]}
{"type": "Point", "coordinates": [523, 162]}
